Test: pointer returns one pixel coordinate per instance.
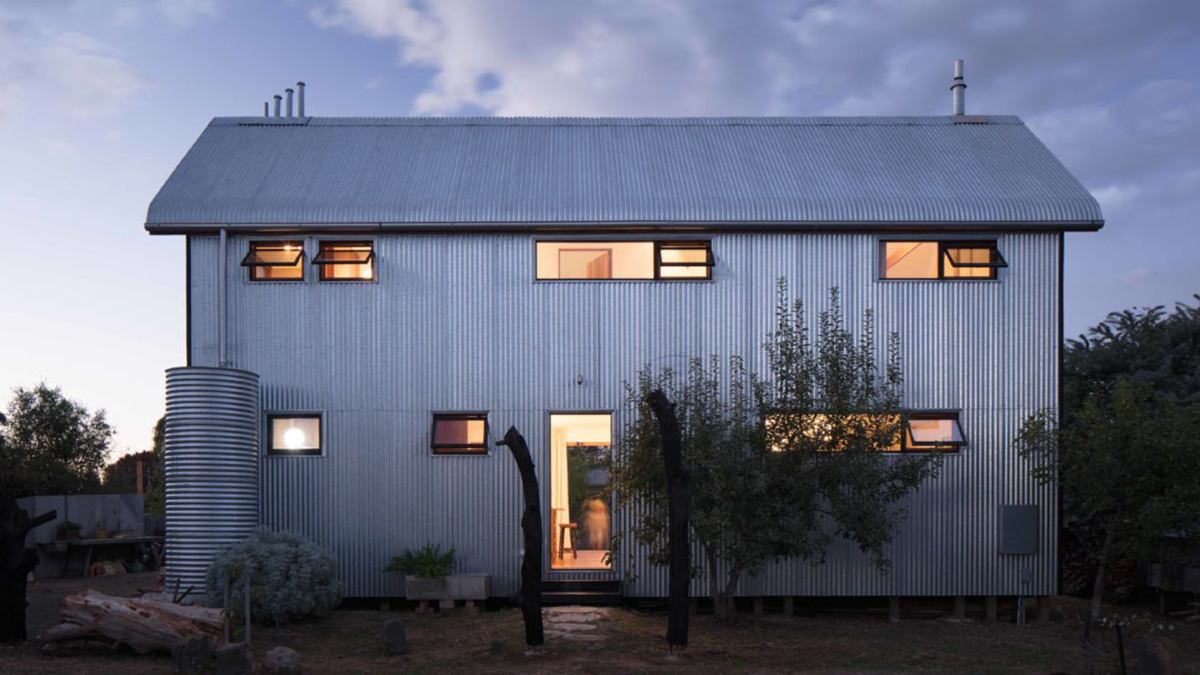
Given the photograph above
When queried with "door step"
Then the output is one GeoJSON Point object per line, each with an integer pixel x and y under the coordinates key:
{"type": "Point", "coordinates": [594, 592]}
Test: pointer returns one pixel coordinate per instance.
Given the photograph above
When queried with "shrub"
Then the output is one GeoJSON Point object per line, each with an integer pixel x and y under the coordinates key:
{"type": "Point", "coordinates": [291, 578]}
{"type": "Point", "coordinates": [429, 561]}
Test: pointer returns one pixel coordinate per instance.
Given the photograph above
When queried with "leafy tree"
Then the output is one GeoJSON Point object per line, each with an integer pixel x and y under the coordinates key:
{"type": "Point", "coordinates": [782, 463]}
{"type": "Point", "coordinates": [121, 475]}
{"type": "Point", "coordinates": [154, 499]}
{"type": "Point", "coordinates": [1127, 463]}
{"type": "Point", "coordinates": [51, 445]}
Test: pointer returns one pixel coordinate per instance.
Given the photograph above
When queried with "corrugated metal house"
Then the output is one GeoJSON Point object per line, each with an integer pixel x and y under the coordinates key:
{"type": "Point", "coordinates": [407, 289]}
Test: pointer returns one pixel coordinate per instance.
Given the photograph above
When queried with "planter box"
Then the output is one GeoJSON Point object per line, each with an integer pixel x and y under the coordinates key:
{"type": "Point", "coordinates": [452, 587]}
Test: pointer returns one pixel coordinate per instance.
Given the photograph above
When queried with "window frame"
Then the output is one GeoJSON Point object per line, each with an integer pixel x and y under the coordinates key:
{"type": "Point", "coordinates": [657, 243]}
{"type": "Point", "coordinates": [253, 268]}
{"type": "Point", "coordinates": [701, 244]}
{"type": "Point", "coordinates": [272, 451]}
{"type": "Point", "coordinates": [321, 265]}
{"type": "Point", "coordinates": [943, 256]}
{"type": "Point", "coordinates": [458, 449]}
{"type": "Point", "coordinates": [925, 447]}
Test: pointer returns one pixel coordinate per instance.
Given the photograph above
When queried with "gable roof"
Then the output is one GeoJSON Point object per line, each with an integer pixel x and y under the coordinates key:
{"type": "Point", "coordinates": [521, 173]}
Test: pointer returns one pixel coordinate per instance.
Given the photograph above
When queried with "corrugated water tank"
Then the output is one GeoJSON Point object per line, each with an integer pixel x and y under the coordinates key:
{"type": "Point", "coordinates": [211, 468]}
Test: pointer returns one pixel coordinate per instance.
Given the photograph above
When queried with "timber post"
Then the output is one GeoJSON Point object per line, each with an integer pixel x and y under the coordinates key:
{"type": "Point", "coordinates": [679, 511]}
{"type": "Point", "coordinates": [531, 527]}
{"type": "Point", "coordinates": [16, 562]}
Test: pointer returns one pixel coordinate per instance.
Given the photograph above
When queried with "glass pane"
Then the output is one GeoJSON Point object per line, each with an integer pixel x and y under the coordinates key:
{"type": "Point", "coordinates": [940, 430]}
{"type": "Point", "coordinates": [684, 272]}
{"type": "Point", "coordinates": [968, 256]}
{"type": "Point", "coordinates": [352, 261]}
{"type": "Point", "coordinates": [595, 260]}
{"type": "Point", "coordinates": [580, 518]}
{"type": "Point", "coordinates": [689, 254]}
{"type": "Point", "coordinates": [910, 260]}
{"type": "Point", "coordinates": [275, 260]}
{"type": "Point", "coordinates": [295, 434]}
{"type": "Point", "coordinates": [819, 430]}
{"type": "Point", "coordinates": [459, 431]}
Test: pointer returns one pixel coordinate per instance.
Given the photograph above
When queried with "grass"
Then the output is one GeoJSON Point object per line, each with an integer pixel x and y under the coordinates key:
{"type": "Point", "coordinates": [349, 641]}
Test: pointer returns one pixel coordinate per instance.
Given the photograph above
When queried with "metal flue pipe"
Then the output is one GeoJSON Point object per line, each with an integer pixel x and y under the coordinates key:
{"type": "Point", "coordinates": [278, 98]}
{"type": "Point", "coordinates": [289, 93]}
{"type": "Point", "coordinates": [300, 98]}
{"type": "Point", "coordinates": [958, 90]}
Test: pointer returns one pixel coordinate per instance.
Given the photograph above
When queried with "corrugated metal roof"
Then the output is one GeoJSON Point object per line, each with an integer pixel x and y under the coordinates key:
{"type": "Point", "coordinates": [732, 172]}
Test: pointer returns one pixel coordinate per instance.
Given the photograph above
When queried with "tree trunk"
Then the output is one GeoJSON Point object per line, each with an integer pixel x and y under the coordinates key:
{"type": "Point", "coordinates": [721, 594]}
{"type": "Point", "coordinates": [1098, 590]}
{"type": "Point", "coordinates": [531, 526]}
{"type": "Point", "coordinates": [145, 625]}
{"type": "Point", "coordinates": [679, 508]}
{"type": "Point", "coordinates": [16, 562]}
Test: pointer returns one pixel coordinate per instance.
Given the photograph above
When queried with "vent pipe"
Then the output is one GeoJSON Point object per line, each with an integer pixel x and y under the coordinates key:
{"type": "Point", "coordinates": [278, 98]}
{"type": "Point", "coordinates": [958, 89]}
{"type": "Point", "coordinates": [289, 93]}
{"type": "Point", "coordinates": [266, 109]}
{"type": "Point", "coordinates": [300, 98]}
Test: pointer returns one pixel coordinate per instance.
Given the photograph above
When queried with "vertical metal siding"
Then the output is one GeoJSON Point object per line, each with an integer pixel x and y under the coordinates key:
{"type": "Point", "coordinates": [458, 323]}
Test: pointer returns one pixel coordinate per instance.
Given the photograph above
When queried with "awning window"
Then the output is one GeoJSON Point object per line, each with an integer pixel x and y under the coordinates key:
{"type": "Point", "coordinates": [684, 260]}
{"type": "Point", "coordinates": [275, 260]}
{"type": "Point", "coordinates": [933, 431]}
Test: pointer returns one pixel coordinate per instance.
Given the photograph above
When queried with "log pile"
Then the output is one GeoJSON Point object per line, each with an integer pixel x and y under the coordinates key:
{"type": "Point", "coordinates": [143, 624]}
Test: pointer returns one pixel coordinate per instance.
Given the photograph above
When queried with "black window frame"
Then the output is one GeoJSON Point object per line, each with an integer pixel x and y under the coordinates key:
{"type": "Point", "coordinates": [255, 267]}
{"type": "Point", "coordinates": [695, 244]}
{"type": "Point", "coordinates": [468, 449]}
{"type": "Point", "coordinates": [322, 264]}
{"type": "Point", "coordinates": [943, 256]}
{"type": "Point", "coordinates": [272, 451]}
{"type": "Point", "coordinates": [926, 447]}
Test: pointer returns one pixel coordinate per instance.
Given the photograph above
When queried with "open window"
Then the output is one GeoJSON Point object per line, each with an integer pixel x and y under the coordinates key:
{"type": "Point", "coordinates": [275, 261]}
{"type": "Point", "coordinates": [925, 432]}
{"type": "Point", "coordinates": [945, 259]}
{"type": "Point", "coordinates": [346, 261]}
{"type": "Point", "coordinates": [684, 260]}
{"type": "Point", "coordinates": [294, 434]}
{"type": "Point", "coordinates": [460, 434]}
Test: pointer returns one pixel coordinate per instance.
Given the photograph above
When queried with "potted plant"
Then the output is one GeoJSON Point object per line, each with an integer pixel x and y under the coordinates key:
{"type": "Point", "coordinates": [427, 576]}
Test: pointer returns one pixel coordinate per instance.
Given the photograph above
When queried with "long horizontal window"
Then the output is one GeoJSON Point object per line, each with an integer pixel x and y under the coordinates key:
{"type": "Point", "coordinates": [346, 261]}
{"type": "Point", "coordinates": [460, 434]}
{"type": "Point", "coordinates": [294, 434]}
{"type": "Point", "coordinates": [615, 260]}
{"type": "Point", "coordinates": [948, 259]}
{"type": "Point", "coordinates": [275, 261]}
{"type": "Point", "coordinates": [910, 432]}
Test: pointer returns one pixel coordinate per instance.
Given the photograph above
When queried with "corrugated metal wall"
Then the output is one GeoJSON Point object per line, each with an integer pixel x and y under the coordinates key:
{"type": "Point", "coordinates": [458, 323]}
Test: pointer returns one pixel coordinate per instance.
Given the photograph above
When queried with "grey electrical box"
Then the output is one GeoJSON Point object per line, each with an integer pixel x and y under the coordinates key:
{"type": "Point", "coordinates": [1018, 529]}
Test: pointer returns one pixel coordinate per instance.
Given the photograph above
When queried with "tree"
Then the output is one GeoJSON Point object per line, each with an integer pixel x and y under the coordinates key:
{"type": "Point", "coordinates": [1127, 463]}
{"type": "Point", "coordinates": [121, 475]}
{"type": "Point", "coordinates": [154, 499]}
{"type": "Point", "coordinates": [51, 445]}
{"type": "Point", "coordinates": [780, 464]}
{"type": "Point", "coordinates": [1121, 447]}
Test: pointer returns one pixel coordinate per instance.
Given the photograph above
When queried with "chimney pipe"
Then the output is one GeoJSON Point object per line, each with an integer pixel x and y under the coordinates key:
{"type": "Point", "coordinates": [266, 109]}
{"type": "Point", "coordinates": [278, 98]}
{"type": "Point", "coordinates": [300, 98]}
{"type": "Point", "coordinates": [289, 93]}
{"type": "Point", "coordinates": [958, 89]}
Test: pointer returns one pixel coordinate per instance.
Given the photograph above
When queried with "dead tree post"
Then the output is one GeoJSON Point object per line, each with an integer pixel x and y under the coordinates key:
{"type": "Point", "coordinates": [531, 526]}
{"type": "Point", "coordinates": [16, 562]}
{"type": "Point", "coordinates": [679, 511]}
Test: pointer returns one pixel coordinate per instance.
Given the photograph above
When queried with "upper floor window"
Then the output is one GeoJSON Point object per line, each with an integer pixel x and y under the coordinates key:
{"type": "Point", "coordinates": [910, 432]}
{"type": "Point", "coordinates": [294, 434]}
{"type": "Point", "coordinates": [346, 261]}
{"type": "Point", "coordinates": [947, 259]}
{"type": "Point", "coordinates": [600, 260]}
{"type": "Point", "coordinates": [275, 261]}
{"type": "Point", "coordinates": [460, 434]}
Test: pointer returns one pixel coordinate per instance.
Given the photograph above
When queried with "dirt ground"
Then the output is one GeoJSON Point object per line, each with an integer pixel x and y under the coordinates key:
{"type": "Point", "coordinates": [624, 640]}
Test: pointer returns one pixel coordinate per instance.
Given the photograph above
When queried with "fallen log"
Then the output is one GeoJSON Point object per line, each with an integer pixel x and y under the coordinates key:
{"type": "Point", "coordinates": [143, 624]}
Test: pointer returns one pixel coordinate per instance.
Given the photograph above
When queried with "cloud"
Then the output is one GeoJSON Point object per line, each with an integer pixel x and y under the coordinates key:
{"type": "Point", "coordinates": [65, 70]}
{"type": "Point", "coordinates": [184, 12]}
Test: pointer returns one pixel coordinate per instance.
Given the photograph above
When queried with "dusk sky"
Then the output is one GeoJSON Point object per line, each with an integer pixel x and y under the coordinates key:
{"type": "Point", "coordinates": [100, 99]}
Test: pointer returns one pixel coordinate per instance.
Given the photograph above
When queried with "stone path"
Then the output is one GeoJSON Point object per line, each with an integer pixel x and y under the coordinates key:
{"type": "Point", "coordinates": [577, 624]}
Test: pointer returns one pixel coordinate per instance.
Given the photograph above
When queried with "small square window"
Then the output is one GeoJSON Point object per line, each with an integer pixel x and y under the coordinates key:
{"type": "Point", "coordinates": [933, 431]}
{"type": "Point", "coordinates": [346, 261]}
{"type": "Point", "coordinates": [294, 434]}
{"type": "Point", "coordinates": [685, 260]}
{"type": "Point", "coordinates": [460, 434]}
{"type": "Point", "coordinates": [275, 261]}
{"type": "Point", "coordinates": [971, 260]}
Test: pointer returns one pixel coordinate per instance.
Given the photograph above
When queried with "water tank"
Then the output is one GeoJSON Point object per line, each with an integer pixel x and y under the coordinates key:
{"type": "Point", "coordinates": [211, 468]}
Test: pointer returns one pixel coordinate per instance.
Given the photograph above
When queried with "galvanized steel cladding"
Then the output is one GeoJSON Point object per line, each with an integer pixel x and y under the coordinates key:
{"type": "Point", "coordinates": [458, 323]}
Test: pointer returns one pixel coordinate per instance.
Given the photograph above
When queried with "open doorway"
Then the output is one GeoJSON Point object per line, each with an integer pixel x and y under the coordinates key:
{"type": "Point", "coordinates": [580, 495]}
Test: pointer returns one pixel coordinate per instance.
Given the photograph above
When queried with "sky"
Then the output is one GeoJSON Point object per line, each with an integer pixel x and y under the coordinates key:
{"type": "Point", "coordinates": [100, 99]}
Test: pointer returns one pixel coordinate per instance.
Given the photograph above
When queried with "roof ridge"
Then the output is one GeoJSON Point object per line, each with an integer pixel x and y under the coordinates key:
{"type": "Point", "coordinates": [617, 121]}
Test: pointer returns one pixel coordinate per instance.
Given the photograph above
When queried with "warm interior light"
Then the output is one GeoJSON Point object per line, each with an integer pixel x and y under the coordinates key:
{"type": "Point", "coordinates": [294, 438]}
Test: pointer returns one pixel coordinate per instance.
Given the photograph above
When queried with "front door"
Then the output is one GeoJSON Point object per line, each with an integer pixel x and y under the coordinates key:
{"type": "Point", "coordinates": [580, 496]}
